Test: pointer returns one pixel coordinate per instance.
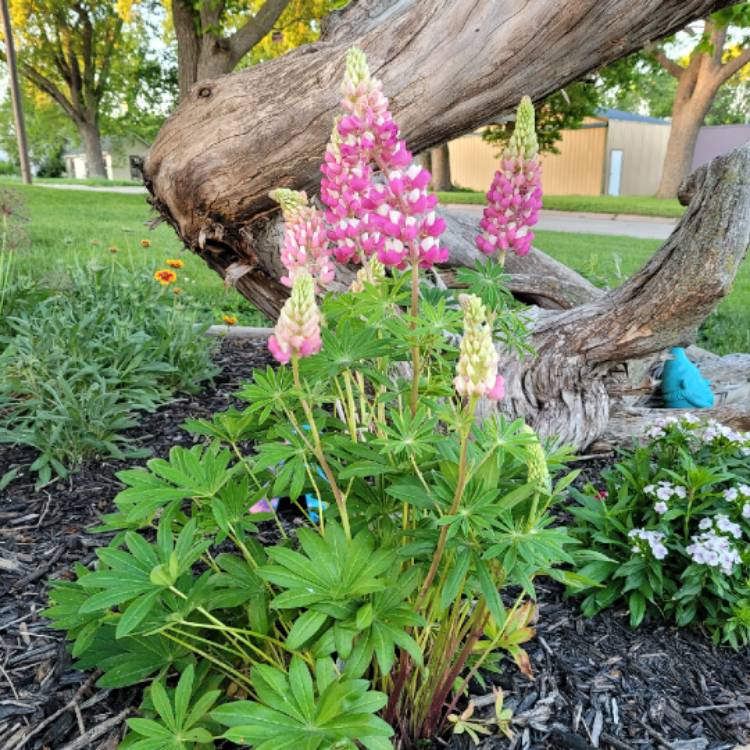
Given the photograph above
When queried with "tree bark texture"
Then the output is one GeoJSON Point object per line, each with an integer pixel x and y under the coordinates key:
{"type": "Point", "coordinates": [92, 144]}
{"type": "Point", "coordinates": [441, 168]}
{"type": "Point", "coordinates": [235, 138]}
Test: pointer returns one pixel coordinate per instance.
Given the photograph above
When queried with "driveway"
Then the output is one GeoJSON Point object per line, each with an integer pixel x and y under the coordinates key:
{"type": "Point", "coordinates": [642, 227]}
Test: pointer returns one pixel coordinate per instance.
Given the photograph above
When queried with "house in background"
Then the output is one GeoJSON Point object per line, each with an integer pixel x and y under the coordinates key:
{"type": "Point", "coordinates": [123, 157]}
{"type": "Point", "coordinates": [612, 153]}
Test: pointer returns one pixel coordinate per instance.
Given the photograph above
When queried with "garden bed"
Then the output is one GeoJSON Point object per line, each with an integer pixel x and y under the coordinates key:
{"type": "Point", "coordinates": [596, 683]}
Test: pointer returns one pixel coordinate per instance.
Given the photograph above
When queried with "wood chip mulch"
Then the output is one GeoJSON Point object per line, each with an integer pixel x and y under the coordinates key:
{"type": "Point", "coordinates": [596, 684]}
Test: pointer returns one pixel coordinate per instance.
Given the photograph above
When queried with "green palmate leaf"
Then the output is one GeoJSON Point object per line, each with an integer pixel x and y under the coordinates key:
{"type": "Point", "coordinates": [295, 711]}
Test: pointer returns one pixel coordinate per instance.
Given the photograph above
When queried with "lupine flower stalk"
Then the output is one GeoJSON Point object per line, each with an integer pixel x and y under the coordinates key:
{"type": "Point", "coordinates": [297, 331]}
{"type": "Point", "coordinates": [392, 216]}
{"type": "Point", "coordinates": [371, 273]}
{"type": "Point", "coordinates": [305, 248]}
{"type": "Point", "coordinates": [515, 196]}
{"type": "Point", "coordinates": [476, 372]}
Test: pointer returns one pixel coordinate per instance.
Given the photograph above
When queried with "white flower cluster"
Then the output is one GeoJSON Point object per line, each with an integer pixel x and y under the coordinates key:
{"type": "Point", "coordinates": [714, 431]}
{"type": "Point", "coordinates": [654, 539]}
{"type": "Point", "coordinates": [739, 494]}
{"type": "Point", "coordinates": [710, 431]}
{"type": "Point", "coordinates": [664, 491]}
{"type": "Point", "coordinates": [713, 547]}
{"type": "Point", "coordinates": [685, 422]}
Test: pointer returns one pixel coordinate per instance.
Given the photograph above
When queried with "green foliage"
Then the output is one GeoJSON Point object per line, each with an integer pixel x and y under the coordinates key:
{"type": "Point", "coordinates": [77, 366]}
{"type": "Point", "coordinates": [392, 596]}
{"type": "Point", "coordinates": [667, 533]}
{"type": "Point", "coordinates": [563, 110]}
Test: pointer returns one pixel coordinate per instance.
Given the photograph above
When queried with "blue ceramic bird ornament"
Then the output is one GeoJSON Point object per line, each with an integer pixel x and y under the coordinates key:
{"type": "Point", "coordinates": [682, 385]}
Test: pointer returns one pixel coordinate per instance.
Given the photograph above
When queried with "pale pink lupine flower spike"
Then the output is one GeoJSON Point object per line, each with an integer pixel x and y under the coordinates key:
{"type": "Point", "coordinates": [476, 372]}
{"type": "Point", "coordinates": [305, 247]}
{"type": "Point", "coordinates": [515, 196]}
{"type": "Point", "coordinates": [393, 216]}
{"type": "Point", "coordinates": [297, 331]}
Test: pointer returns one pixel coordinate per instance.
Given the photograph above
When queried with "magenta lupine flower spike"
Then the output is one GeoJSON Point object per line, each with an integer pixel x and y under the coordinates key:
{"type": "Point", "coordinates": [297, 331]}
{"type": "Point", "coordinates": [305, 247]}
{"type": "Point", "coordinates": [476, 372]}
{"type": "Point", "coordinates": [515, 196]}
{"type": "Point", "coordinates": [392, 217]}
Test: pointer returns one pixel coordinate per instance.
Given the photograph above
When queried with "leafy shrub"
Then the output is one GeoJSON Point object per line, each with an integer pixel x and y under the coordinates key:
{"type": "Point", "coordinates": [79, 364]}
{"type": "Point", "coordinates": [668, 533]}
{"type": "Point", "coordinates": [386, 603]}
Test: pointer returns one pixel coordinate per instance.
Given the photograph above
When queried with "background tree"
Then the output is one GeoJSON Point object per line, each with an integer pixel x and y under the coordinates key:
{"type": "Point", "coordinates": [82, 54]}
{"type": "Point", "coordinates": [47, 128]}
{"type": "Point", "coordinates": [565, 109]}
{"type": "Point", "coordinates": [720, 50]}
{"type": "Point", "coordinates": [215, 36]}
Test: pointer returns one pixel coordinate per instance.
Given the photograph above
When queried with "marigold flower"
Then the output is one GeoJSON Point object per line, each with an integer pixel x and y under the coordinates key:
{"type": "Point", "coordinates": [305, 247]}
{"type": "Point", "coordinates": [175, 262]}
{"type": "Point", "coordinates": [164, 276]}
{"type": "Point", "coordinates": [145, 243]}
{"type": "Point", "coordinates": [476, 372]}
{"type": "Point", "coordinates": [297, 331]}
{"type": "Point", "coordinates": [230, 320]}
{"type": "Point", "coordinates": [515, 196]}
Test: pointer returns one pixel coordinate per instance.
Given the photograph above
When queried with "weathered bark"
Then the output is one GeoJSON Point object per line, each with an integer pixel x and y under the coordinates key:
{"type": "Point", "coordinates": [236, 138]}
{"type": "Point", "coordinates": [441, 168]}
{"type": "Point", "coordinates": [588, 355]}
{"type": "Point", "coordinates": [92, 145]}
{"type": "Point", "coordinates": [697, 86]}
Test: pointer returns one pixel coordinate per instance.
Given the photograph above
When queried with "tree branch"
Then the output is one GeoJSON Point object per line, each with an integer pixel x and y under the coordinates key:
{"type": "Point", "coordinates": [730, 67]}
{"type": "Point", "coordinates": [673, 68]}
{"type": "Point", "coordinates": [44, 83]}
{"type": "Point", "coordinates": [246, 37]}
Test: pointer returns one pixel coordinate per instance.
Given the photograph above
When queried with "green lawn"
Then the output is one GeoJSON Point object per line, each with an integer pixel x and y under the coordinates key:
{"type": "Point", "coordinates": [623, 204]}
{"type": "Point", "coordinates": [69, 227]}
{"type": "Point", "coordinates": [89, 182]}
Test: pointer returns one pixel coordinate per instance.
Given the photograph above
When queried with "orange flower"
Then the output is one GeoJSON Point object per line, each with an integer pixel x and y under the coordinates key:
{"type": "Point", "coordinates": [145, 243]}
{"type": "Point", "coordinates": [175, 262]}
{"type": "Point", "coordinates": [164, 276]}
{"type": "Point", "coordinates": [114, 250]}
{"type": "Point", "coordinates": [230, 320]}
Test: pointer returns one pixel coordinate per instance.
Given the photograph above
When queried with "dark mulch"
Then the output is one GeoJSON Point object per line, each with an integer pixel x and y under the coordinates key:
{"type": "Point", "coordinates": [596, 683]}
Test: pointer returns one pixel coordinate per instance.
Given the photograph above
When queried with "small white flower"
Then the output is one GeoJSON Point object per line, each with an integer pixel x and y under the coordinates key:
{"type": "Point", "coordinates": [705, 524]}
{"type": "Point", "coordinates": [730, 495]}
{"type": "Point", "coordinates": [746, 510]}
{"type": "Point", "coordinates": [661, 508]}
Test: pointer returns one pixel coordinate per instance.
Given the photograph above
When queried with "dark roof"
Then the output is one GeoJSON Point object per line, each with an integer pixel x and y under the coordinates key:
{"type": "Point", "coordinates": [619, 114]}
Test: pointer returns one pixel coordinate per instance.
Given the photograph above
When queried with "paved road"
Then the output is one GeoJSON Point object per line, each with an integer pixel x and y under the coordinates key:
{"type": "Point", "coordinates": [556, 221]}
{"type": "Point", "coordinates": [652, 227]}
{"type": "Point", "coordinates": [124, 189]}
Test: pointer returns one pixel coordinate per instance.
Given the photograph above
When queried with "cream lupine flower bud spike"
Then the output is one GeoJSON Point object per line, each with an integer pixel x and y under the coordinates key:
{"type": "Point", "coordinates": [476, 372]}
{"type": "Point", "coordinates": [523, 143]}
{"type": "Point", "coordinates": [289, 200]}
{"type": "Point", "coordinates": [356, 73]}
{"type": "Point", "coordinates": [297, 331]}
{"type": "Point", "coordinates": [538, 471]}
{"type": "Point", "coordinates": [373, 272]}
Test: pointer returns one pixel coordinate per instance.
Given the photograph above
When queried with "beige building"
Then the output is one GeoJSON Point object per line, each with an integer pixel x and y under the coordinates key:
{"type": "Point", "coordinates": [614, 153]}
{"type": "Point", "coordinates": [122, 158]}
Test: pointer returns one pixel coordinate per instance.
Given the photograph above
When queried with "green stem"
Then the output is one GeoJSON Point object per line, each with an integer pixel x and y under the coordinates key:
{"type": "Point", "coordinates": [460, 485]}
{"type": "Point", "coordinates": [413, 325]}
{"type": "Point", "coordinates": [319, 454]}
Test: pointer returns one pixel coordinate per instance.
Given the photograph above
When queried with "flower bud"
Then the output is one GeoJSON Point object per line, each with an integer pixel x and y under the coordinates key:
{"type": "Point", "coordinates": [297, 331]}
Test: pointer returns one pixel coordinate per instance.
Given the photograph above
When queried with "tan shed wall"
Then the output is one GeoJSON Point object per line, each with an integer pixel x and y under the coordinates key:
{"type": "Point", "coordinates": [577, 170]}
{"type": "Point", "coordinates": [643, 145]}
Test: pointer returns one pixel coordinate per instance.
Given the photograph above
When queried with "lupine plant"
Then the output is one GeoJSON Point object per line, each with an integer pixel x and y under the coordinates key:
{"type": "Point", "coordinates": [373, 617]}
{"type": "Point", "coordinates": [668, 531]}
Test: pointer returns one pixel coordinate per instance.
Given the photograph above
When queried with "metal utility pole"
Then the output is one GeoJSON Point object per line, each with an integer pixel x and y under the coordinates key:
{"type": "Point", "coordinates": [15, 94]}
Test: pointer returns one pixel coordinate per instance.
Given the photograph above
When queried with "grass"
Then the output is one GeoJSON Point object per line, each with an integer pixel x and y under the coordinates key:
{"type": "Point", "coordinates": [69, 228]}
{"type": "Point", "coordinates": [610, 204]}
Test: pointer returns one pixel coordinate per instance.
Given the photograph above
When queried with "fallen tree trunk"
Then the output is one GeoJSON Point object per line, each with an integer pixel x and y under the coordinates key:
{"type": "Point", "coordinates": [447, 68]}
{"type": "Point", "coordinates": [237, 137]}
